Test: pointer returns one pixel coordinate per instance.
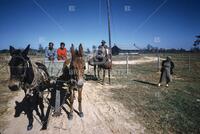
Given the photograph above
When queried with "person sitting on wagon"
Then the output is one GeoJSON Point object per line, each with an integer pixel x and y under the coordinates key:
{"type": "Point", "coordinates": [166, 71]}
{"type": "Point", "coordinates": [62, 52]}
{"type": "Point", "coordinates": [50, 52]}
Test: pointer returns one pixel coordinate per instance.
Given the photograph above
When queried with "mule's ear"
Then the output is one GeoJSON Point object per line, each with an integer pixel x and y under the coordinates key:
{"type": "Point", "coordinates": [25, 52]}
{"type": "Point", "coordinates": [12, 49]}
{"type": "Point", "coordinates": [80, 50]}
{"type": "Point", "coordinates": [16, 102]}
{"type": "Point", "coordinates": [72, 50]}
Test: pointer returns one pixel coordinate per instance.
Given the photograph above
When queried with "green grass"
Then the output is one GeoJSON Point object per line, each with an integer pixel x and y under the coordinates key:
{"type": "Point", "coordinates": [175, 109]}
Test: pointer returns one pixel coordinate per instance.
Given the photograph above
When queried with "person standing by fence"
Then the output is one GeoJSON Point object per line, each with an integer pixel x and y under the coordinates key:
{"type": "Point", "coordinates": [166, 71]}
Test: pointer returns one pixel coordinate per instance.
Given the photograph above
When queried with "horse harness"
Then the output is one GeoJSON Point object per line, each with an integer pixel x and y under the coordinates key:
{"type": "Point", "coordinates": [39, 77]}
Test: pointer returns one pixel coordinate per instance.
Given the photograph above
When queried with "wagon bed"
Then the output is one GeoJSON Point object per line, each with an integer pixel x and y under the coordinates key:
{"type": "Point", "coordinates": [54, 68]}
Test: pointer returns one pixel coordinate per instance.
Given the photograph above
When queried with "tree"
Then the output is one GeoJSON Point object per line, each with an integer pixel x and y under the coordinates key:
{"type": "Point", "coordinates": [197, 41]}
{"type": "Point", "coordinates": [94, 47]}
{"type": "Point", "coordinates": [88, 51]}
{"type": "Point", "coordinates": [40, 49]}
{"type": "Point", "coordinates": [149, 47]}
{"type": "Point", "coordinates": [195, 49]}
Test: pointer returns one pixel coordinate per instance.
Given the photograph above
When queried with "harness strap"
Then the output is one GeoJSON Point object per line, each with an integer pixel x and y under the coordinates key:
{"type": "Point", "coordinates": [39, 77]}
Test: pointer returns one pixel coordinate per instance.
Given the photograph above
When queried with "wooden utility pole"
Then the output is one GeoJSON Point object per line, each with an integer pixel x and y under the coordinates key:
{"type": "Point", "coordinates": [109, 27]}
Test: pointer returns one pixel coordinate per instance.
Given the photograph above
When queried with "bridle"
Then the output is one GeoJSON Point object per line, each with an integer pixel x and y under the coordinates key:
{"type": "Point", "coordinates": [26, 66]}
{"type": "Point", "coordinates": [73, 71]}
{"type": "Point", "coordinates": [22, 80]}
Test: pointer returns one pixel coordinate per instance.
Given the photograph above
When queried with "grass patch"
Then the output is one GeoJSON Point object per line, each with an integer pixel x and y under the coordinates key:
{"type": "Point", "coordinates": [175, 109]}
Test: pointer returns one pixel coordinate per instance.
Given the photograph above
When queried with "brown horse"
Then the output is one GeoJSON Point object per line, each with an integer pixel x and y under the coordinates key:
{"type": "Point", "coordinates": [106, 66]}
{"type": "Point", "coordinates": [74, 75]}
{"type": "Point", "coordinates": [102, 61]}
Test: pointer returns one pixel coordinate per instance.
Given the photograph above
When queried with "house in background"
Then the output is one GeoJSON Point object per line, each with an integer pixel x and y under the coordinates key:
{"type": "Point", "coordinates": [118, 51]}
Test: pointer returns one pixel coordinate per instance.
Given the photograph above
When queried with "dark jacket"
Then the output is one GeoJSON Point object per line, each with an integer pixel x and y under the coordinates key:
{"type": "Point", "coordinates": [168, 64]}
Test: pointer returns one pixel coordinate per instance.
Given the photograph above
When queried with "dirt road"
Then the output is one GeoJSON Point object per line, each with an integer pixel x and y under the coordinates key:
{"type": "Point", "coordinates": [101, 116]}
{"type": "Point", "coordinates": [138, 61]}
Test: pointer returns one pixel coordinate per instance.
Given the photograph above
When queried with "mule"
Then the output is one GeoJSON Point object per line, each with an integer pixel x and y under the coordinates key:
{"type": "Point", "coordinates": [33, 78]}
{"type": "Point", "coordinates": [102, 61]}
{"type": "Point", "coordinates": [74, 75]}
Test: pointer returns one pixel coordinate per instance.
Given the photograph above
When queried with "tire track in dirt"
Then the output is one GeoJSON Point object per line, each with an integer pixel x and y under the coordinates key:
{"type": "Point", "coordinates": [97, 112]}
{"type": "Point", "coordinates": [114, 114]}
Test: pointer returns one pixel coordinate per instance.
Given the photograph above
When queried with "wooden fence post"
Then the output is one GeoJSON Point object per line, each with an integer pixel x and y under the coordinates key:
{"type": "Point", "coordinates": [158, 62]}
{"type": "Point", "coordinates": [87, 65]}
{"type": "Point", "coordinates": [127, 63]}
{"type": "Point", "coordinates": [189, 62]}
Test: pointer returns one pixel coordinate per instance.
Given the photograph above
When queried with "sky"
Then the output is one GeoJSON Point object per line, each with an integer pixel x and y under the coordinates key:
{"type": "Point", "coordinates": [161, 23]}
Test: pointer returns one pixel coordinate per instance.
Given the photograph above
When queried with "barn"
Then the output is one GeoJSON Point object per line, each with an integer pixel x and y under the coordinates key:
{"type": "Point", "coordinates": [118, 51]}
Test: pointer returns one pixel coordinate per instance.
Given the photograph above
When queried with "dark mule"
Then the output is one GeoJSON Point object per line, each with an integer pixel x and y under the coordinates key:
{"type": "Point", "coordinates": [74, 75]}
{"type": "Point", "coordinates": [101, 60]}
{"type": "Point", "coordinates": [31, 77]}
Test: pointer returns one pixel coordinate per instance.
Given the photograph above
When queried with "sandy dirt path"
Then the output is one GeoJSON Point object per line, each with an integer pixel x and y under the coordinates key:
{"type": "Point", "coordinates": [138, 61]}
{"type": "Point", "coordinates": [102, 115]}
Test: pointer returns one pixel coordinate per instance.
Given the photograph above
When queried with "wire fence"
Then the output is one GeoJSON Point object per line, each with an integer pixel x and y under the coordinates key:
{"type": "Point", "coordinates": [185, 62]}
{"type": "Point", "coordinates": [124, 64]}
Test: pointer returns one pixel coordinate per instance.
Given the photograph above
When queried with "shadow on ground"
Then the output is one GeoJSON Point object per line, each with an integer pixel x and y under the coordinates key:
{"type": "Point", "coordinates": [145, 82]}
{"type": "Point", "coordinates": [90, 77]}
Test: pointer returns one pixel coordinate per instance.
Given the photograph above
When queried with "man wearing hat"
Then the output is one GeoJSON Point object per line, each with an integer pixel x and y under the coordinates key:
{"type": "Point", "coordinates": [102, 51]}
{"type": "Point", "coordinates": [166, 71]}
{"type": "Point", "coordinates": [50, 52]}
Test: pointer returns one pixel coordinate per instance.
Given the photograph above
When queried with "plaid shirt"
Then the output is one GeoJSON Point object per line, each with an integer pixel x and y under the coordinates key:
{"type": "Point", "coordinates": [50, 53]}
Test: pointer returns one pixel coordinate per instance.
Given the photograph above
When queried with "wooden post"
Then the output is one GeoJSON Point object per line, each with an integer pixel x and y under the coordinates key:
{"type": "Point", "coordinates": [109, 27]}
{"type": "Point", "coordinates": [57, 104]}
{"type": "Point", "coordinates": [127, 63]}
{"type": "Point", "coordinates": [189, 62]}
{"type": "Point", "coordinates": [57, 107]}
{"type": "Point", "coordinates": [88, 67]}
{"type": "Point", "coordinates": [158, 62]}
